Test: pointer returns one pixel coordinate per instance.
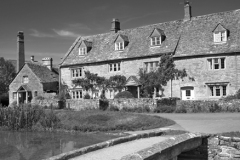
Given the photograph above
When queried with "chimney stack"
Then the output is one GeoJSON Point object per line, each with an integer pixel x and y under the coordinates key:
{"type": "Point", "coordinates": [32, 59]}
{"type": "Point", "coordinates": [47, 61]}
{"type": "Point", "coordinates": [187, 11]}
{"type": "Point", "coordinates": [20, 50]}
{"type": "Point", "coordinates": [115, 25]}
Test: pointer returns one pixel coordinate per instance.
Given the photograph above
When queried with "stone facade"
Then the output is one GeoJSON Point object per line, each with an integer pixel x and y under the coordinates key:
{"type": "Point", "coordinates": [34, 79]}
{"type": "Point", "coordinates": [34, 84]}
{"type": "Point", "coordinates": [212, 63]}
{"type": "Point", "coordinates": [128, 68]}
{"type": "Point", "coordinates": [198, 69]}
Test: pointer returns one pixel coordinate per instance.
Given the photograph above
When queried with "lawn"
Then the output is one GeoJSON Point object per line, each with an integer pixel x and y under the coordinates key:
{"type": "Point", "coordinates": [96, 120]}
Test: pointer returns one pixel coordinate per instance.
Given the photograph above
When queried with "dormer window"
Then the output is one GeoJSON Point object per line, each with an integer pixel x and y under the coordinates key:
{"type": "Point", "coordinates": [84, 47]}
{"type": "Point", "coordinates": [119, 46]}
{"type": "Point", "coordinates": [220, 34]}
{"type": "Point", "coordinates": [155, 41]}
{"type": "Point", "coordinates": [157, 36]}
{"type": "Point", "coordinates": [82, 51]}
{"type": "Point", "coordinates": [121, 42]}
{"type": "Point", "coordinates": [220, 37]}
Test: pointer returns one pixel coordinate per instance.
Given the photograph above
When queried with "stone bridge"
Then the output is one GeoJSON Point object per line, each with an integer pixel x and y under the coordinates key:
{"type": "Point", "coordinates": [188, 146]}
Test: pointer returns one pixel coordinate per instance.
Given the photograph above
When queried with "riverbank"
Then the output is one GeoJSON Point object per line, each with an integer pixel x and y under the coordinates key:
{"type": "Point", "coordinates": [36, 118]}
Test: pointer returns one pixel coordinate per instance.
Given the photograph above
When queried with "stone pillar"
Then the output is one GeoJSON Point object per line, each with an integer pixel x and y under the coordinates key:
{"type": "Point", "coordinates": [138, 88]}
{"type": "Point", "coordinates": [17, 98]}
{"type": "Point", "coordinates": [26, 96]}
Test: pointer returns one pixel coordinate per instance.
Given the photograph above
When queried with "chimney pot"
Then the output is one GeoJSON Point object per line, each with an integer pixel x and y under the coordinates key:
{"type": "Point", "coordinates": [32, 58]}
{"type": "Point", "coordinates": [115, 25]}
{"type": "Point", "coordinates": [187, 11]}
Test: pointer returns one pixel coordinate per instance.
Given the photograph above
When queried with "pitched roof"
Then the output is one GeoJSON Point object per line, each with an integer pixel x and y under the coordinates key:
{"type": "Point", "coordinates": [196, 38]}
{"type": "Point", "coordinates": [43, 73]}
{"type": "Point", "coordinates": [132, 81]}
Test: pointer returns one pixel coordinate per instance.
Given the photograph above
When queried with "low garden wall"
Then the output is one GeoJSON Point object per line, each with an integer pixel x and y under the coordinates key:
{"type": "Point", "coordinates": [46, 102]}
{"type": "Point", "coordinates": [133, 103]}
{"type": "Point", "coordinates": [207, 106]}
{"type": "Point", "coordinates": [82, 104]}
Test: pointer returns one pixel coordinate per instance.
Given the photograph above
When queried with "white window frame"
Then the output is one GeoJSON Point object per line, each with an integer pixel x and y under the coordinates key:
{"type": "Point", "coordinates": [214, 62]}
{"type": "Point", "coordinates": [119, 46]}
{"type": "Point", "coordinates": [156, 41]}
{"type": "Point", "coordinates": [82, 51]}
{"type": "Point", "coordinates": [220, 37]}
{"type": "Point", "coordinates": [151, 66]}
{"type": "Point", "coordinates": [114, 67]}
{"type": "Point", "coordinates": [77, 94]}
{"type": "Point", "coordinates": [14, 95]}
{"type": "Point", "coordinates": [215, 88]}
{"type": "Point", "coordinates": [77, 72]}
{"type": "Point", "coordinates": [25, 79]}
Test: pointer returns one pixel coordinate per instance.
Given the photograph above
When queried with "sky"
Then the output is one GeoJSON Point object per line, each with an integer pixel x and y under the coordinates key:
{"type": "Point", "coordinates": [51, 26]}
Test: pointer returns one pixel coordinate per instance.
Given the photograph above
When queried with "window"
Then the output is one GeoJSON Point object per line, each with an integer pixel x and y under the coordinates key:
{"type": "Point", "coordinates": [151, 66]}
{"type": "Point", "coordinates": [119, 46]}
{"type": "Point", "coordinates": [35, 94]}
{"type": "Point", "coordinates": [25, 79]}
{"type": "Point", "coordinates": [77, 94]}
{"type": "Point", "coordinates": [188, 93]}
{"type": "Point", "coordinates": [155, 41]}
{"type": "Point", "coordinates": [78, 72]}
{"type": "Point", "coordinates": [82, 51]}
{"type": "Point", "coordinates": [220, 36]}
{"type": "Point", "coordinates": [114, 67]}
{"type": "Point", "coordinates": [216, 63]}
{"type": "Point", "coordinates": [218, 90]}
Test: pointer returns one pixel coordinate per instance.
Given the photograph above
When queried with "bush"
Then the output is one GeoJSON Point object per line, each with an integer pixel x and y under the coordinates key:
{"type": "Point", "coordinates": [103, 104]}
{"type": "Point", "coordinates": [143, 109]}
{"type": "Point", "coordinates": [124, 94]}
{"type": "Point", "coordinates": [86, 96]}
{"type": "Point", "coordinates": [166, 105]}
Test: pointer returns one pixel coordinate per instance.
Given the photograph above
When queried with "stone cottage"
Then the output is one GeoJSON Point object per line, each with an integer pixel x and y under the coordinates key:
{"type": "Point", "coordinates": [33, 78]}
{"type": "Point", "coordinates": [207, 46]}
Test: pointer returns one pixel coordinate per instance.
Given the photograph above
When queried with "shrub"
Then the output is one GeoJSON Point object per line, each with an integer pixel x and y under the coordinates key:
{"type": "Point", "coordinates": [124, 94]}
{"type": "Point", "coordinates": [87, 96]}
{"type": "Point", "coordinates": [166, 105]}
{"type": "Point", "coordinates": [142, 109]}
{"type": "Point", "coordinates": [103, 104]}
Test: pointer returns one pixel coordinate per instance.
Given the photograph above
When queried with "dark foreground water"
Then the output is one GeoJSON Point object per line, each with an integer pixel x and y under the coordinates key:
{"type": "Point", "coordinates": [40, 145]}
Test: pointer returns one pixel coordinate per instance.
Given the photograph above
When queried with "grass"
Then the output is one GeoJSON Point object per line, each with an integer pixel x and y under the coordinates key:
{"type": "Point", "coordinates": [95, 120]}
{"type": "Point", "coordinates": [29, 117]}
{"type": "Point", "coordinates": [230, 134]}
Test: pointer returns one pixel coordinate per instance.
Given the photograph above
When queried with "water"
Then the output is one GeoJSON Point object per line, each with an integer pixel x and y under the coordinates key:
{"type": "Point", "coordinates": [40, 145]}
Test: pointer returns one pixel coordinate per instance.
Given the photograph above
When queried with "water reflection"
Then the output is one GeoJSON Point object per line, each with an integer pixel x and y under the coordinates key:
{"type": "Point", "coordinates": [40, 145]}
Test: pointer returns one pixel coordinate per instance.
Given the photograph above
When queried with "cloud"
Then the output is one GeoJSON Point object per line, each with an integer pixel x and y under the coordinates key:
{"type": "Point", "coordinates": [65, 33]}
{"type": "Point", "coordinates": [36, 33]}
{"type": "Point", "coordinates": [79, 26]}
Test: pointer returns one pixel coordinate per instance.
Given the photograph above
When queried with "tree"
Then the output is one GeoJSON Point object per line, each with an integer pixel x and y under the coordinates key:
{"type": "Point", "coordinates": [117, 81]}
{"type": "Point", "coordinates": [159, 78]}
{"type": "Point", "coordinates": [91, 81]}
{"type": "Point", "coordinates": [7, 74]}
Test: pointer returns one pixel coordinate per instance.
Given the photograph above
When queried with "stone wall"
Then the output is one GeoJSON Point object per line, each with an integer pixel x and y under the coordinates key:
{"type": "Point", "coordinates": [133, 103]}
{"type": "Point", "coordinates": [224, 148]}
{"type": "Point", "coordinates": [82, 104]}
{"type": "Point", "coordinates": [46, 102]}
